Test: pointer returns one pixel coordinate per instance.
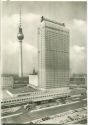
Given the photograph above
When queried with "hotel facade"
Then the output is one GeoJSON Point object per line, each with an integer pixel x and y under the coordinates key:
{"type": "Point", "coordinates": [53, 54]}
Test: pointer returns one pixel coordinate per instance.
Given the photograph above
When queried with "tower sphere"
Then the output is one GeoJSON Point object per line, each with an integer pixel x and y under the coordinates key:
{"type": "Point", "coordinates": [20, 35]}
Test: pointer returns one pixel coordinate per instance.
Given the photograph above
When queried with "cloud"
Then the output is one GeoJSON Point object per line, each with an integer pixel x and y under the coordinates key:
{"type": "Point", "coordinates": [78, 33]}
{"type": "Point", "coordinates": [78, 59]}
{"type": "Point", "coordinates": [11, 55]}
{"type": "Point", "coordinates": [79, 25]}
{"type": "Point", "coordinates": [78, 41]}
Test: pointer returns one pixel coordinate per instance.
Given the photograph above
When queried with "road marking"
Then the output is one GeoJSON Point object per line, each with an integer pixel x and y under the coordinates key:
{"type": "Point", "coordinates": [55, 106]}
{"type": "Point", "coordinates": [11, 115]}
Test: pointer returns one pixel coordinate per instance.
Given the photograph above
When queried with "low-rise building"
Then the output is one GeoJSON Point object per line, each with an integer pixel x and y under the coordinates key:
{"type": "Point", "coordinates": [33, 79]}
{"type": "Point", "coordinates": [6, 80]}
{"type": "Point", "coordinates": [20, 81]}
{"type": "Point", "coordinates": [13, 81]}
{"type": "Point", "coordinates": [78, 79]}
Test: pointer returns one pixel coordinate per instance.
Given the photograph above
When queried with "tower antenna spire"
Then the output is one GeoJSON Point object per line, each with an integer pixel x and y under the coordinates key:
{"type": "Point", "coordinates": [20, 17]}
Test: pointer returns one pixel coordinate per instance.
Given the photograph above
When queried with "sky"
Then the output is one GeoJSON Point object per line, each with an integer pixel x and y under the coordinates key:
{"type": "Point", "coordinates": [73, 14]}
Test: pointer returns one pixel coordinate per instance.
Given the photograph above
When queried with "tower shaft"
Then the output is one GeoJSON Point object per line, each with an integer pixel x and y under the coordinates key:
{"type": "Point", "coordinates": [20, 60]}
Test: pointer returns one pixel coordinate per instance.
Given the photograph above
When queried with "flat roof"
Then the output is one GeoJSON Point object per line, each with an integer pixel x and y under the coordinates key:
{"type": "Point", "coordinates": [24, 89]}
{"type": "Point", "coordinates": [52, 21]}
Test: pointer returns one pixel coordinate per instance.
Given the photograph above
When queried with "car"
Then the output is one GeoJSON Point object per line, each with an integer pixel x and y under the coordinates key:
{"type": "Point", "coordinates": [45, 118]}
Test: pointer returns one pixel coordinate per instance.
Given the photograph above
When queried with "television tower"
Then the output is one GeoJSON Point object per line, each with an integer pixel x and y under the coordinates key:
{"type": "Point", "coordinates": [20, 37]}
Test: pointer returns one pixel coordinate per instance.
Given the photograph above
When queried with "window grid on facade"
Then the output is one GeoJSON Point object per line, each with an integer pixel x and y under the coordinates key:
{"type": "Point", "coordinates": [53, 56]}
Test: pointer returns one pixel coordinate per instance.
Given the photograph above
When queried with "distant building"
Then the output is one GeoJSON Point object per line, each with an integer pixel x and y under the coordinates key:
{"type": "Point", "coordinates": [13, 81]}
{"type": "Point", "coordinates": [6, 80]}
{"type": "Point", "coordinates": [20, 81]}
{"type": "Point", "coordinates": [34, 72]}
{"type": "Point", "coordinates": [78, 79]}
{"type": "Point", "coordinates": [53, 54]}
{"type": "Point", "coordinates": [33, 79]}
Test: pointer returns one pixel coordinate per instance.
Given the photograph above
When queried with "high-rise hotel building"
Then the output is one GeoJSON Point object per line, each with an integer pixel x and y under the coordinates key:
{"type": "Point", "coordinates": [53, 54]}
